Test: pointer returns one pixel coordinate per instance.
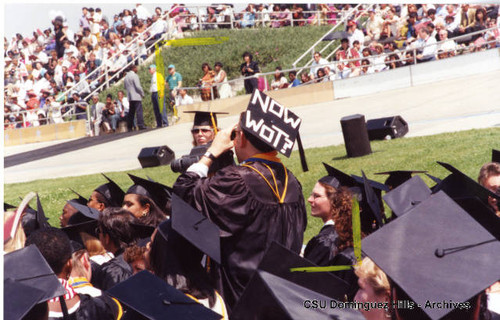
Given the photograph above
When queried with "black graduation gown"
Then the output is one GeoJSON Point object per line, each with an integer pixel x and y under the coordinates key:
{"type": "Point", "coordinates": [92, 308]}
{"type": "Point", "coordinates": [110, 273]}
{"type": "Point", "coordinates": [322, 248]}
{"type": "Point", "coordinates": [243, 206]}
{"type": "Point", "coordinates": [345, 258]}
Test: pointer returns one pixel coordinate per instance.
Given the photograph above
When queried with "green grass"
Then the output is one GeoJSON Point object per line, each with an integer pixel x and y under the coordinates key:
{"type": "Point", "coordinates": [270, 47]}
{"type": "Point", "coordinates": [466, 150]}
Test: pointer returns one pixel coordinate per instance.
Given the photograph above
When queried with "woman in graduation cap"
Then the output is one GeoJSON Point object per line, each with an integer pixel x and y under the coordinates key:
{"type": "Point", "coordinates": [332, 202]}
{"type": "Point", "coordinates": [204, 127]}
{"type": "Point", "coordinates": [148, 201]}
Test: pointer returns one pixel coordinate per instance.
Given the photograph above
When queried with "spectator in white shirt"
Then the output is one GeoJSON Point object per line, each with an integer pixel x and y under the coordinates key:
{"type": "Point", "coordinates": [373, 26]}
{"type": "Point", "coordinates": [183, 99]}
{"type": "Point", "coordinates": [427, 44]}
{"type": "Point", "coordinates": [317, 63]}
{"type": "Point", "coordinates": [355, 33]}
{"type": "Point", "coordinates": [449, 46]}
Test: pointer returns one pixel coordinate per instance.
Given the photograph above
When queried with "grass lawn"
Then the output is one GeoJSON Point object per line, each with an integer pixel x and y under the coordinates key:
{"type": "Point", "coordinates": [466, 150]}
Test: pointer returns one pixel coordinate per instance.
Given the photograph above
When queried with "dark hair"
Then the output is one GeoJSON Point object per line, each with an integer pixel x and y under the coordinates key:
{"type": "Point", "coordinates": [205, 64]}
{"type": "Point", "coordinates": [247, 54]}
{"type": "Point", "coordinates": [413, 15]}
{"type": "Point", "coordinates": [109, 95]}
{"type": "Point", "coordinates": [430, 24]}
{"type": "Point", "coordinates": [365, 61]}
{"type": "Point", "coordinates": [102, 199]}
{"type": "Point", "coordinates": [116, 223]}
{"type": "Point", "coordinates": [54, 246]}
{"type": "Point", "coordinates": [322, 70]}
{"type": "Point", "coordinates": [293, 72]}
{"type": "Point", "coordinates": [218, 64]}
{"type": "Point", "coordinates": [344, 40]}
{"type": "Point", "coordinates": [431, 11]}
{"type": "Point", "coordinates": [178, 262]}
{"type": "Point", "coordinates": [156, 214]}
{"type": "Point", "coordinates": [355, 42]}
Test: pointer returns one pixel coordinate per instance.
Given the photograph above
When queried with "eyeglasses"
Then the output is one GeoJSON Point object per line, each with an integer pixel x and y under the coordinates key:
{"type": "Point", "coordinates": [194, 131]}
{"type": "Point", "coordinates": [316, 196]}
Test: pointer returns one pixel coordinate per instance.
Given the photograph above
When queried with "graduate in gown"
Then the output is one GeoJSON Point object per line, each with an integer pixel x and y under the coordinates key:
{"type": "Point", "coordinates": [254, 203]}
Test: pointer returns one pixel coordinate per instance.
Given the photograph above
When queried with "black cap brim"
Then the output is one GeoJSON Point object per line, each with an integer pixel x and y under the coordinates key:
{"type": "Point", "coordinates": [154, 299]}
{"type": "Point", "coordinates": [19, 298]}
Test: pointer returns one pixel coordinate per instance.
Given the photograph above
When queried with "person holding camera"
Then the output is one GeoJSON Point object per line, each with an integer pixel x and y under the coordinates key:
{"type": "Point", "coordinates": [254, 203]}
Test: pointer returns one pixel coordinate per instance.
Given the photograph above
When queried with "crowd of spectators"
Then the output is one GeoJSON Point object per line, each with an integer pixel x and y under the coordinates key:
{"type": "Point", "coordinates": [51, 68]}
{"type": "Point", "coordinates": [57, 66]}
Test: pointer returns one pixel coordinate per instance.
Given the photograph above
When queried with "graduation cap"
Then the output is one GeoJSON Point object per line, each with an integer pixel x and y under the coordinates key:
{"type": "Point", "coordinates": [192, 226]}
{"type": "Point", "coordinates": [157, 192]}
{"type": "Point", "coordinates": [150, 297]}
{"type": "Point", "coordinates": [357, 186]}
{"type": "Point", "coordinates": [29, 267]}
{"type": "Point", "coordinates": [268, 296]}
{"type": "Point", "coordinates": [81, 199]}
{"type": "Point", "coordinates": [372, 200]}
{"type": "Point", "coordinates": [407, 196]}
{"type": "Point", "coordinates": [41, 219]}
{"type": "Point", "coordinates": [7, 206]}
{"type": "Point", "coordinates": [273, 124]}
{"type": "Point", "coordinates": [432, 248]}
{"type": "Point", "coordinates": [398, 177]}
{"type": "Point", "coordinates": [495, 155]}
{"type": "Point", "coordinates": [112, 192]}
{"type": "Point", "coordinates": [19, 299]}
{"type": "Point", "coordinates": [433, 178]}
{"type": "Point", "coordinates": [482, 213]}
{"type": "Point", "coordinates": [459, 185]}
{"type": "Point", "coordinates": [205, 118]}
{"type": "Point", "coordinates": [278, 261]}
{"type": "Point", "coordinates": [84, 214]}
{"type": "Point", "coordinates": [73, 230]}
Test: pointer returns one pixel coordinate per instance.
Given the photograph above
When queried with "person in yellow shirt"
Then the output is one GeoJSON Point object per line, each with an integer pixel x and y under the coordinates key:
{"type": "Point", "coordinates": [157, 90]}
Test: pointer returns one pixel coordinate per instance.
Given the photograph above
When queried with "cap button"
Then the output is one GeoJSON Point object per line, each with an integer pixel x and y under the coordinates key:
{"type": "Point", "coordinates": [166, 302]}
{"type": "Point", "coordinates": [439, 253]}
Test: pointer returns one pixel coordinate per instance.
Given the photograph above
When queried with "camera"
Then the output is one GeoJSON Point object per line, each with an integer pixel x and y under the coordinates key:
{"type": "Point", "coordinates": [184, 162]}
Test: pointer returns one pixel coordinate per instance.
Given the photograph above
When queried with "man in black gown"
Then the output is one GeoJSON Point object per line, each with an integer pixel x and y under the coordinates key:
{"type": "Point", "coordinates": [254, 203]}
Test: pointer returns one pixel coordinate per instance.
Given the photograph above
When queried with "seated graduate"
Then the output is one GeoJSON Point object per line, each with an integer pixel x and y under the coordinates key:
{"type": "Point", "coordinates": [116, 232]}
{"type": "Point", "coordinates": [176, 252]}
{"type": "Point", "coordinates": [148, 201]}
{"type": "Point", "coordinates": [55, 247]}
{"type": "Point", "coordinates": [106, 195]}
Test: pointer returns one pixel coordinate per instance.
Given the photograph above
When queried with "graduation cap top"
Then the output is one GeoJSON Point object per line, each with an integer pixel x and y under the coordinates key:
{"type": "Point", "coordinates": [152, 298]}
{"type": "Point", "coordinates": [81, 199]}
{"type": "Point", "coordinates": [29, 267]}
{"type": "Point", "coordinates": [271, 123]}
{"type": "Point", "coordinates": [205, 118]}
{"type": "Point", "coordinates": [19, 298]}
{"type": "Point", "coordinates": [398, 177]}
{"type": "Point", "coordinates": [407, 196]}
{"type": "Point", "coordinates": [84, 214]}
{"type": "Point", "coordinates": [193, 227]}
{"type": "Point", "coordinates": [112, 192]}
{"type": "Point", "coordinates": [268, 296]}
{"type": "Point", "coordinates": [459, 185]}
{"type": "Point", "coordinates": [158, 192]}
{"type": "Point", "coordinates": [433, 248]}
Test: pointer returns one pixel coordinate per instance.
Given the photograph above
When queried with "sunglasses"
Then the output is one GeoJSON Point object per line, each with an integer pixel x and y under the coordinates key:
{"type": "Point", "coordinates": [193, 131]}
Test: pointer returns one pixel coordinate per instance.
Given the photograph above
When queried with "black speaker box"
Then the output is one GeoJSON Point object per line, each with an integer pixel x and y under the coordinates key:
{"type": "Point", "coordinates": [355, 134]}
{"type": "Point", "coordinates": [155, 156]}
{"type": "Point", "coordinates": [394, 127]}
